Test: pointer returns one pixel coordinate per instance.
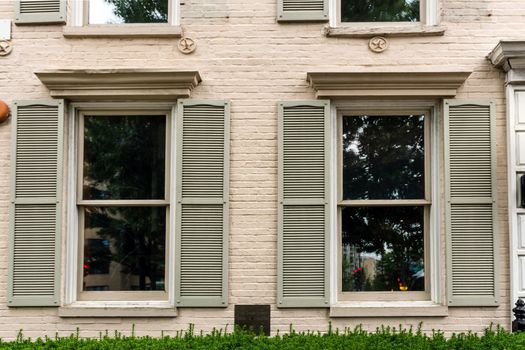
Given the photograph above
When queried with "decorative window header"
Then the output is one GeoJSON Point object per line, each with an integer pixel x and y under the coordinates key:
{"type": "Point", "coordinates": [508, 55]}
{"type": "Point", "coordinates": [388, 84]}
{"type": "Point", "coordinates": [115, 84]}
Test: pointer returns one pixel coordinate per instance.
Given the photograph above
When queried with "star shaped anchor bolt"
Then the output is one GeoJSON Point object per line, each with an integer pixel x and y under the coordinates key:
{"type": "Point", "coordinates": [5, 48]}
{"type": "Point", "coordinates": [378, 44]}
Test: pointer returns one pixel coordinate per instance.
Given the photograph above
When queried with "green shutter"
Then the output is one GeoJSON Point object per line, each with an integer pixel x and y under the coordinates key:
{"type": "Point", "coordinates": [472, 241]}
{"type": "Point", "coordinates": [203, 129]}
{"type": "Point", "coordinates": [302, 10]}
{"type": "Point", "coordinates": [36, 198]}
{"type": "Point", "coordinates": [40, 11]}
{"type": "Point", "coordinates": [303, 217]}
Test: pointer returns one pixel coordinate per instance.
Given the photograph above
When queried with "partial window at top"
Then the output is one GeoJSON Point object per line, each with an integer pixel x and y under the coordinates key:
{"type": "Point", "coordinates": [128, 11]}
{"type": "Point", "coordinates": [380, 10]}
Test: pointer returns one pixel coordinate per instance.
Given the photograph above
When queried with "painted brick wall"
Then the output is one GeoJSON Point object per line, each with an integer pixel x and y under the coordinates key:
{"type": "Point", "coordinates": [245, 56]}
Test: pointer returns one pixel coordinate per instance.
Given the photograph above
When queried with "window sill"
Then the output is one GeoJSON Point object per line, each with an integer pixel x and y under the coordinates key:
{"type": "Point", "coordinates": [123, 31]}
{"type": "Point", "coordinates": [368, 31]}
{"type": "Point", "coordinates": [106, 310]}
{"type": "Point", "coordinates": [388, 309]}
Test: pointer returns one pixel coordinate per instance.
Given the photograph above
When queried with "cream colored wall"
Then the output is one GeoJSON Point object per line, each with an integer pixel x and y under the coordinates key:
{"type": "Point", "coordinates": [243, 55]}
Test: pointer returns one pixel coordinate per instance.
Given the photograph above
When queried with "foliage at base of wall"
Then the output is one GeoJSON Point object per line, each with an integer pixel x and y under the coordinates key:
{"type": "Point", "coordinates": [384, 338]}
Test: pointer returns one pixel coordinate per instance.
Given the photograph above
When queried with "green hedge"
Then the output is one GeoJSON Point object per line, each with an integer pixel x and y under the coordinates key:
{"type": "Point", "coordinates": [384, 338]}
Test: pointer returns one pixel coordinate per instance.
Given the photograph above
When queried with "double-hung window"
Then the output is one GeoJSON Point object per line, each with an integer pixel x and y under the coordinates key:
{"type": "Point", "coordinates": [123, 204]}
{"type": "Point", "coordinates": [383, 205]}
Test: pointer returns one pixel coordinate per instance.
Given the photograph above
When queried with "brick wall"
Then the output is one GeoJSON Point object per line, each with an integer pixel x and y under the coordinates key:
{"type": "Point", "coordinates": [245, 56]}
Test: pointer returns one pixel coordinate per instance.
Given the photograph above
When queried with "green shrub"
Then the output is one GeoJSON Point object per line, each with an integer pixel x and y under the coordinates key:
{"type": "Point", "coordinates": [384, 338]}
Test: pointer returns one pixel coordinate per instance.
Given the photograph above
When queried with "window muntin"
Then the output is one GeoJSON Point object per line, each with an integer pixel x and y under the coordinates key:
{"type": "Point", "coordinates": [383, 233]}
{"type": "Point", "coordinates": [380, 10]}
{"type": "Point", "coordinates": [128, 11]}
{"type": "Point", "coordinates": [123, 202]}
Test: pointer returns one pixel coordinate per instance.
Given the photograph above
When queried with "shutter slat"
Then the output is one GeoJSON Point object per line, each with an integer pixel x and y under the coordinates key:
{"type": "Point", "coordinates": [471, 204]}
{"type": "Point", "coordinates": [302, 10]}
{"type": "Point", "coordinates": [40, 11]}
{"type": "Point", "coordinates": [303, 175]}
{"type": "Point", "coordinates": [35, 227]}
{"type": "Point", "coordinates": [202, 227]}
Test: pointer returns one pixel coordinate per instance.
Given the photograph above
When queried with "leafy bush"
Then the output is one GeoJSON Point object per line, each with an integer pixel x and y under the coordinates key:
{"type": "Point", "coordinates": [383, 338]}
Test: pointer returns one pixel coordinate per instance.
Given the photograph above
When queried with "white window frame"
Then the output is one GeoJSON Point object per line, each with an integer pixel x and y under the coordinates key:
{"type": "Point", "coordinates": [434, 245]}
{"type": "Point", "coordinates": [71, 283]}
{"type": "Point", "coordinates": [428, 17]}
{"type": "Point", "coordinates": [79, 15]}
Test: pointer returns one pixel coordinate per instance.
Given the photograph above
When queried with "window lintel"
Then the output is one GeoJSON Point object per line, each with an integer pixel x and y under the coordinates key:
{"type": "Point", "coordinates": [386, 84]}
{"type": "Point", "coordinates": [118, 84]}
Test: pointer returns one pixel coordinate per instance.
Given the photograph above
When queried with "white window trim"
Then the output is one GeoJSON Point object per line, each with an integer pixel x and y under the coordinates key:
{"type": "Point", "coordinates": [77, 13]}
{"type": "Point", "coordinates": [71, 247]}
{"type": "Point", "coordinates": [430, 15]}
{"type": "Point", "coordinates": [436, 298]}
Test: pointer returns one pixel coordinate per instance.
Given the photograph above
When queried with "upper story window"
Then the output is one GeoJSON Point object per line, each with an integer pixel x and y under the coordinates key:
{"type": "Point", "coordinates": [123, 18]}
{"type": "Point", "coordinates": [366, 18]}
{"type": "Point", "coordinates": [128, 11]}
{"type": "Point", "coordinates": [380, 10]}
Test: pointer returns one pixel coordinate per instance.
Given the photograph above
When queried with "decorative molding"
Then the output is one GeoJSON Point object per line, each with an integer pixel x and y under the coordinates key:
{"type": "Point", "coordinates": [508, 55]}
{"type": "Point", "coordinates": [368, 31]}
{"type": "Point", "coordinates": [118, 84]}
{"type": "Point", "coordinates": [387, 84]}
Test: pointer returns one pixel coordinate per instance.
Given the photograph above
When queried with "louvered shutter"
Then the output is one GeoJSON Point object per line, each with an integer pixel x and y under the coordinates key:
{"type": "Point", "coordinates": [472, 241]}
{"type": "Point", "coordinates": [303, 235]}
{"type": "Point", "coordinates": [36, 197]}
{"type": "Point", "coordinates": [40, 11]}
{"type": "Point", "coordinates": [302, 10]}
{"type": "Point", "coordinates": [202, 203]}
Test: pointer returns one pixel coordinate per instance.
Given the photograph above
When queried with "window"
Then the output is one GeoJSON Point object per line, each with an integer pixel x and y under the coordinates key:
{"type": "Point", "coordinates": [123, 204]}
{"type": "Point", "coordinates": [380, 10]}
{"type": "Point", "coordinates": [384, 205]}
{"type": "Point", "coordinates": [365, 18]}
{"type": "Point", "coordinates": [124, 18]}
{"type": "Point", "coordinates": [127, 11]}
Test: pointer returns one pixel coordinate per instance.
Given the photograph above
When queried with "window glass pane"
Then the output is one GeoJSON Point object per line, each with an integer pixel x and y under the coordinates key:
{"type": "Point", "coordinates": [383, 249]}
{"type": "Point", "coordinates": [383, 157]}
{"type": "Point", "coordinates": [128, 11]}
{"type": "Point", "coordinates": [124, 157]}
{"type": "Point", "coordinates": [124, 248]}
{"type": "Point", "coordinates": [379, 10]}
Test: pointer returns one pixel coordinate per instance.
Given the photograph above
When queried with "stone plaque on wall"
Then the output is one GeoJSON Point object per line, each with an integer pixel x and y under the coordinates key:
{"type": "Point", "coordinates": [255, 318]}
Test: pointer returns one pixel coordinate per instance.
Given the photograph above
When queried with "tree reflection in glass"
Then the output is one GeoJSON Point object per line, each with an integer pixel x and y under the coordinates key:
{"type": "Point", "coordinates": [135, 239]}
{"type": "Point", "coordinates": [383, 249]}
{"type": "Point", "coordinates": [128, 11]}
{"type": "Point", "coordinates": [383, 157]}
{"type": "Point", "coordinates": [383, 245]}
{"type": "Point", "coordinates": [124, 157]}
{"type": "Point", "coordinates": [124, 160]}
{"type": "Point", "coordinates": [380, 10]}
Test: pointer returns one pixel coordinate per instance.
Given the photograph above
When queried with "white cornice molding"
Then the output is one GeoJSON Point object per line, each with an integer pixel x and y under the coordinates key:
{"type": "Point", "coordinates": [387, 84]}
{"type": "Point", "coordinates": [119, 84]}
{"type": "Point", "coordinates": [508, 55]}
